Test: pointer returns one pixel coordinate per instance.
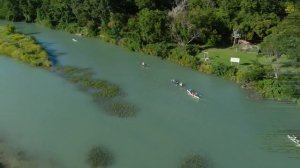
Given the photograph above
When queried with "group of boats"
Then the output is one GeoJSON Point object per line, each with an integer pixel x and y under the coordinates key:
{"type": "Point", "coordinates": [294, 139]}
{"type": "Point", "coordinates": [190, 92]}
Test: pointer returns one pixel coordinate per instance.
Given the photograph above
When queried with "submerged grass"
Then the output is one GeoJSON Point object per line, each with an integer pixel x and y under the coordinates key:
{"type": "Point", "coordinates": [22, 47]}
{"type": "Point", "coordinates": [194, 161]}
{"type": "Point", "coordinates": [104, 93]}
{"type": "Point", "coordinates": [121, 109]}
{"type": "Point", "coordinates": [84, 80]}
{"type": "Point", "coordinates": [99, 156]}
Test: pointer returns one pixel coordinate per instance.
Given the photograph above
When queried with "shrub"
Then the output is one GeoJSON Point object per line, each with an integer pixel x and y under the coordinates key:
{"type": "Point", "coordinates": [206, 68]}
{"type": "Point", "coordinates": [181, 56]}
{"type": "Point", "coordinates": [224, 70]}
{"type": "Point", "coordinates": [157, 49]}
{"type": "Point", "coordinates": [131, 43]}
{"type": "Point", "coordinates": [274, 89]}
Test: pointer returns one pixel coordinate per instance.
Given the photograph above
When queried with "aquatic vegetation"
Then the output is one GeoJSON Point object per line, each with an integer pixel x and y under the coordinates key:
{"type": "Point", "coordinates": [22, 47]}
{"type": "Point", "coordinates": [99, 156]}
{"type": "Point", "coordinates": [84, 80]}
{"type": "Point", "coordinates": [102, 91]}
{"type": "Point", "coordinates": [121, 109]}
{"type": "Point", "coordinates": [194, 161]}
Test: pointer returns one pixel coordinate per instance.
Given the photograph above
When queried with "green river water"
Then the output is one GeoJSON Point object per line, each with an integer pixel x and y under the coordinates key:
{"type": "Point", "coordinates": [52, 120]}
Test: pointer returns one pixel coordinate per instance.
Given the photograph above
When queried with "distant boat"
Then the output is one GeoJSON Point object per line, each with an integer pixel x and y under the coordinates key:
{"type": "Point", "coordinates": [177, 82]}
{"type": "Point", "coordinates": [78, 34]}
{"type": "Point", "coordinates": [73, 39]}
{"type": "Point", "coordinates": [294, 139]}
{"type": "Point", "coordinates": [143, 64]}
{"type": "Point", "coordinates": [193, 93]}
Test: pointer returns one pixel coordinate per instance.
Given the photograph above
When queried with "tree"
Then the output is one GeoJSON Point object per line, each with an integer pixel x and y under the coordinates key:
{"type": "Point", "coordinates": [182, 30]}
{"type": "Point", "coordinates": [151, 25]}
{"type": "Point", "coordinates": [285, 39]}
{"type": "Point", "coordinates": [150, 4]}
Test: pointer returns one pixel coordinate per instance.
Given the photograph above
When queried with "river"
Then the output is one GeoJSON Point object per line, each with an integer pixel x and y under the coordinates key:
{"type": "Point", "coordinates": [50, 118]}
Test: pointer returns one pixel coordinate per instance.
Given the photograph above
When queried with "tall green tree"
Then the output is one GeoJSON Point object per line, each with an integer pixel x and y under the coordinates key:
{"type": "Point", "coordinates": [151, 25]}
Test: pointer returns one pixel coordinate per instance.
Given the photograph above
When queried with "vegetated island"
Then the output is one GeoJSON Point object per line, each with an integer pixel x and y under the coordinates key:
{"type": "Point", "coordinates": [22, 47]}
{"type": "Point", "coordinates": [25, 48]}
{"type": "Point", "coordinates": [183, 30]}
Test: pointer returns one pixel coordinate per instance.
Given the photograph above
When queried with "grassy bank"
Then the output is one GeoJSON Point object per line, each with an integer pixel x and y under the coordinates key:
{"type": "Point", "coordinates": [22, 47]}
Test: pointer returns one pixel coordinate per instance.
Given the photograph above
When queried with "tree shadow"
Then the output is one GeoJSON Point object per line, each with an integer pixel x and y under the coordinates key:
{"type": "Point", "coordinates": [247, 63]}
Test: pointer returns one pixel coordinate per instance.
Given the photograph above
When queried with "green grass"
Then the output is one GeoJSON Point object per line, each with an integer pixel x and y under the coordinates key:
{"type": "Point", "coordinates": [223, 56]}
{"type": "Point", "coordinates": [22, 47]}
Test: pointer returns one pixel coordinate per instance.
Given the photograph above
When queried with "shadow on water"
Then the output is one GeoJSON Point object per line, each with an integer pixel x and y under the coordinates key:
{"type": "Point", "coordinates": [52, 53]}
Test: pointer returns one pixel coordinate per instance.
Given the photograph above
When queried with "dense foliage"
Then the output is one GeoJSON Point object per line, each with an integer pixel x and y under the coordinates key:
{"type": "Point", "coordinates": [22, 47]}
{"type": "Point", "coordinates": [153, 21]}
{"type": "Point", "coordinates": [179, 30]}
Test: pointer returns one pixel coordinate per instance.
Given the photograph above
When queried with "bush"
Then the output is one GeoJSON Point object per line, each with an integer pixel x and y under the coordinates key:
{"type": "Point", "coordinates": [131, 43]}
{"type": "Point", "coordinates": [181, 56]}
{"type": "Point", "coordinates": [157, 49]}
{"type": "Point", "coordinates": [99, 156]}
{"type": "Point", "coordinates": [274, 89]}
{"type": "Point", "coordinates": [224, 70]}
{"type": "Point", "coordinates": [206, 68]}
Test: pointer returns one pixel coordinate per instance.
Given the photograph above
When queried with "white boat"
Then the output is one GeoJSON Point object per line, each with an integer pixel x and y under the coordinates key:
{"type": "Point", "coordinates": [193, 93]}
{"type": "Point", "coordinates": [294, 139]}
{"type": "Point", "coordinates": [74, 40]}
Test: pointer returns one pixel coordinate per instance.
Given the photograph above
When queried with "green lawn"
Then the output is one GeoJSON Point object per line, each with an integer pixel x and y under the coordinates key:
{"type": "Point", "coordinates": [223, 56]}
{"type": "Point", "coordinates": [217, 55]}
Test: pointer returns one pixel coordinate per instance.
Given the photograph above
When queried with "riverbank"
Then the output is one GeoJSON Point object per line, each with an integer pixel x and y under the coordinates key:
{"type": "Point", "coordinates": [22, 47]}
{"type": "Point", "coordinates": [255, 71]}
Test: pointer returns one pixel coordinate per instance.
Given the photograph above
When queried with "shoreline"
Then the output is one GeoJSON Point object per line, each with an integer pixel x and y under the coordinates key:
{"type": "Point", "coordinates": [230, 73]}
